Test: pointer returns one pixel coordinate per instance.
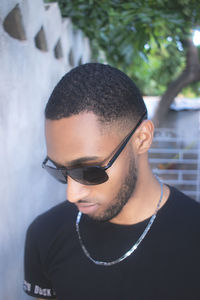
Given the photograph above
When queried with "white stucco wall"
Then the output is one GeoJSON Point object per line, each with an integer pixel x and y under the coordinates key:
{"type": "Point", "coordinates": [27, 76]}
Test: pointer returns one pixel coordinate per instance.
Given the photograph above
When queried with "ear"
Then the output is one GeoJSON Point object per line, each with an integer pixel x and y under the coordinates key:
{"type": "Point", "coordinates": [144, 136]}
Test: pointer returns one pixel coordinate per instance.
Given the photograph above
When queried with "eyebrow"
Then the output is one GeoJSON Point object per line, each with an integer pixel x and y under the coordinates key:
{"type": "Point", "coordinates": [81, 160]}
{"type": "Point", "coordinates": [85, 159]}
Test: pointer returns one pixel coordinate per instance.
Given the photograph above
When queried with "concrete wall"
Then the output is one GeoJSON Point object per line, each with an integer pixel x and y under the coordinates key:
{"type": "Point", "coordinates": [36, 48]}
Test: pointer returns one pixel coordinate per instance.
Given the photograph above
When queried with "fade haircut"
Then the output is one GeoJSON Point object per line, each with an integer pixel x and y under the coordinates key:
{"type": "Point", "coordinates": [97, 88]}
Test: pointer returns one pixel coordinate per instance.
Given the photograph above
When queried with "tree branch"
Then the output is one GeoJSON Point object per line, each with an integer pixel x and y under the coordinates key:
{"type": "Point", "coordinates": [189, 75]}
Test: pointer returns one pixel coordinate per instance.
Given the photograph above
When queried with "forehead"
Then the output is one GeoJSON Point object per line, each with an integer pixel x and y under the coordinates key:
{"type": "Point", "coordinates": [79, 136]}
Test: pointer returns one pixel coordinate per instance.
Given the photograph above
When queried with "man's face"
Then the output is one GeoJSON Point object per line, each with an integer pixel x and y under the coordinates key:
{"type": "Point", "coordinates": [82, 140]}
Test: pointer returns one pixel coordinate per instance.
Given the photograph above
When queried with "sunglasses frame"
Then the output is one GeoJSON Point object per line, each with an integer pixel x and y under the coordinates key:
{"type": "Point", "coordinates": [66, 171]}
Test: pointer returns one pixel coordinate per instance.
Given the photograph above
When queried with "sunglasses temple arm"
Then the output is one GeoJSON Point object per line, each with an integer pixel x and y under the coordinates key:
{"type": "Point", "coordinates": [45, 161]}
{"type": "Point", "coordinates": [124, 143]}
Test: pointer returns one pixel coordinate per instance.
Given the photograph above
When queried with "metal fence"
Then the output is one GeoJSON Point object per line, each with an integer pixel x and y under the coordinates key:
{"type": "Point", "coordinates": [175, 159]}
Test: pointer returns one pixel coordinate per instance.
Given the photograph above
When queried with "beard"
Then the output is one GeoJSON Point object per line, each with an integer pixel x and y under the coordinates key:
{"type": "Point", "coordinates": [126, 190]}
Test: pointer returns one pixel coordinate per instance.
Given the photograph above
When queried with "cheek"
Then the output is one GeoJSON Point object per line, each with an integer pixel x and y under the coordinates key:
{"type": "Point", "coordinates": [116, 173]}
{"type": "Point", "coordinates": [119, 169]}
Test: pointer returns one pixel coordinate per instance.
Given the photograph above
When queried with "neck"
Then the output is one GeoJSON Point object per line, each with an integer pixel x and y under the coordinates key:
{"type": "Point", "coordinates": [143, 202]}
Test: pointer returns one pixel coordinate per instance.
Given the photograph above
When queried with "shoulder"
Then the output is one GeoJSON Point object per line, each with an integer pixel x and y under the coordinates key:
{"type": "Point", "coordinates": [183, 200]}
{"type": "Point", "coordinates": [63, 212]}
{"type": "Point", "coordinates": [184, 208]}
{"type": "Point", "coordinates": [48, 225]}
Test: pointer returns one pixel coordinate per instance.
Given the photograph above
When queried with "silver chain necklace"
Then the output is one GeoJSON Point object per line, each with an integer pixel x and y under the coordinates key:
{"type": "Point", "coordinates": [131, 250]}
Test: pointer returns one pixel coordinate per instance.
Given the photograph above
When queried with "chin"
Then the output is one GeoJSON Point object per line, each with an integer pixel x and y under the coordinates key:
{"type": "Point", "coordinates": [106, 216]}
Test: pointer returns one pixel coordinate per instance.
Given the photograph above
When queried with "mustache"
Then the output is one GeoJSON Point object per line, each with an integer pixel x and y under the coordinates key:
{"type": "Point", "coordinates": [84, 201]}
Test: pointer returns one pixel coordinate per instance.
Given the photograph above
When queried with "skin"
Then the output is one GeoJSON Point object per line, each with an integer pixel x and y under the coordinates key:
{"type": "Point", "coordinates": [68, 142]}
{"type": "Point", "coordinates": [126, 189]}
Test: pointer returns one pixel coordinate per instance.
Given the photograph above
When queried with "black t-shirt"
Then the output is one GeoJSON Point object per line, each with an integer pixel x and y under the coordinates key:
{"type": "Point", "coordinates": [165, 266]}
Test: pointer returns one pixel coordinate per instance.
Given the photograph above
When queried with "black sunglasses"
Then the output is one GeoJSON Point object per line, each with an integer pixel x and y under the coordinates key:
{"type": "Point", "coordinates": [90, 175]}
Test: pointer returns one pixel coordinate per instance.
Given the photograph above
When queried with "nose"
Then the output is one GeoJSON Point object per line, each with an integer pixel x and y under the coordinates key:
{"type": "Point", "coordinates": [76, 191]}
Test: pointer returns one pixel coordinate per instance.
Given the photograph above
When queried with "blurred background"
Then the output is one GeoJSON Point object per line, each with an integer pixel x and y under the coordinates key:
{"type": "Point", "coordinates": [155, 42]}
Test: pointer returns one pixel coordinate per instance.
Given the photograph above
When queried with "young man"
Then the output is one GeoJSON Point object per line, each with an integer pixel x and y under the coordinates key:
{"type": "Point", "coordinates": [121, 234]}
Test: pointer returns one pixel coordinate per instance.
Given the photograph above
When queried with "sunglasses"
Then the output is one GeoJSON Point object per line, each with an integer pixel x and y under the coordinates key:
{"type": "Point", "coordinates": [88, 175]}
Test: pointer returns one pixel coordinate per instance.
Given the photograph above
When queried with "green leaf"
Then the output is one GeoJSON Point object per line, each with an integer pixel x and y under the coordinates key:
{"type": "Point", "coordinates": [121, 28]}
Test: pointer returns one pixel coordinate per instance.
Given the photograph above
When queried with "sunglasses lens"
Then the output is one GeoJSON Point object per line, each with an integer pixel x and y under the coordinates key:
{"type": "Point", "coordinates": [88, 175]}
{"type": "Point", "coordinates": [56, 173]}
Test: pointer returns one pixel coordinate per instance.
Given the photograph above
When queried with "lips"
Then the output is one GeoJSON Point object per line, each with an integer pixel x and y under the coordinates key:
{"type": "Point", "coordinates": [87, 208]}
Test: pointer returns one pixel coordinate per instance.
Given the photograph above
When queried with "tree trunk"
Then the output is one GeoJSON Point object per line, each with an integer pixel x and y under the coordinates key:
{"type": "Point", "coordinates": [190, 74]}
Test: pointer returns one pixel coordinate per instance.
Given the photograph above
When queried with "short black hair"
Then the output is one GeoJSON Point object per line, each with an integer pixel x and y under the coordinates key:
{"type": "Point", "coordinates": [98, 88]}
